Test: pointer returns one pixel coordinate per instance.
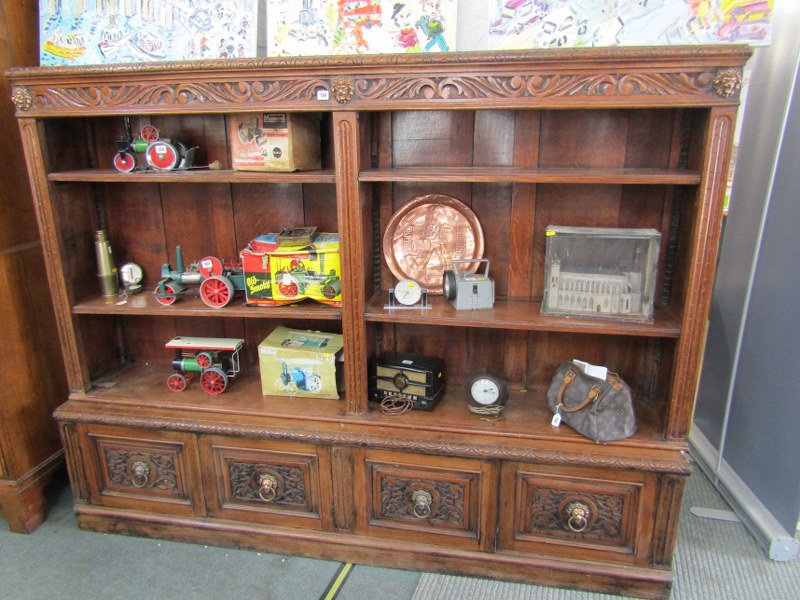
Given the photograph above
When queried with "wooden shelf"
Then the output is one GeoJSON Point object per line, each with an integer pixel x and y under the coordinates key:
{"type": "Point", "coordinates": [525, 418]}
{"type": "Point", "coordinates": [517, 314]}
{"type": "Point", "coordinates": [192, 306]}
{"type": "Point", "coordinates": [192, 176]}
{"type": "Point", "coordinates": [521, 175]}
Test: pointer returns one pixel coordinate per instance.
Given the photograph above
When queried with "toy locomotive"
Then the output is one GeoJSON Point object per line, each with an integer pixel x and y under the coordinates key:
{"type": "Point", "coordinates": [215, 359]}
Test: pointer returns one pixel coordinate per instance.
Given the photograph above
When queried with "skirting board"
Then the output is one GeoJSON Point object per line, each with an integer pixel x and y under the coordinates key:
{"type": "Point", "coordinates": [780, 545]}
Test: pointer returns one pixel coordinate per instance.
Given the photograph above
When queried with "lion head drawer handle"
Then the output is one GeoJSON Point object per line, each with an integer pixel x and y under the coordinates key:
{"type": "Point", "coordinates": [421, 502]}
{"type": "Point", "coordinates": [267, 487]}
{"type": "Point", "coordinates": [140, 473]}
{"type": "Point", "coordinates": [577, 516]}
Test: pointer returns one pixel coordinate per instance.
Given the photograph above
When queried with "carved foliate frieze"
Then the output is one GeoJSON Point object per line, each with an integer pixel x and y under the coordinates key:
{"type": "Point", "coordinates": [245, 482]}
{"type": "Point", "coordinates": [547, 514]}
{"type": "Point", "coordinates": [383, 88]}
{"type": "Point", "coordinates": [203, 93]}
{"type": "Point", "coordinates": [142, 470]}
{"type": "Point", "coordinates": [535, 85]}
{"type": "Point", "coordinates": [447, 499]}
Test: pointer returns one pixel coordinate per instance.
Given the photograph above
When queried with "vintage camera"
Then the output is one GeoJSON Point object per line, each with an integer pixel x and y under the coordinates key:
{"type": "Point", "coordinates": [414, 377]}
{"type": "Point", "coordinates": [468, 291]}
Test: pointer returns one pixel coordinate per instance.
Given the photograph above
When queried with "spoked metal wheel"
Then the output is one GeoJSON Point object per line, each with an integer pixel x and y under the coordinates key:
{"type": "Point", "coordinates": [203, 360]}
{"type": "Point", "coordinates": [176, 382]}
{"type": "Point", "coordinates": [216, 292]}
{"type": "Point", "coordinates": [149, 133]}
{"type": "Point", "coordinates": [213, 381]}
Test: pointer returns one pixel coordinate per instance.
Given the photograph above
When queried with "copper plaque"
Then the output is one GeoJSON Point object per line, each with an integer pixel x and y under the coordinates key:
{"type": "Point", "coordinates": [426, 234]}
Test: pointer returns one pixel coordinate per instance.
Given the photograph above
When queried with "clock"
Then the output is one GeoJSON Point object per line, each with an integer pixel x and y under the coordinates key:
{"type": "Point", "coordinates": [407, 292]}
{"type": "Point", "coordinates": [131, 275]}
{"type": "Point", "coordinates": [486, 391]}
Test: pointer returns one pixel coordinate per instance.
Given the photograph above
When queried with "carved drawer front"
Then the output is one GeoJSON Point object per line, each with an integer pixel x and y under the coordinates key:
{"type": "Point", "coordinates": [595, 513]}
{"type": "Point", "coordinates": [265, 481]}
{"type": "Point", "coordinates": [143, 470]}
{"type": "Point", "coordinates": [426, 499]}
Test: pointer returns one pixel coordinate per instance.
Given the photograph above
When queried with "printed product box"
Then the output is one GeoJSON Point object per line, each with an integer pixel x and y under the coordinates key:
{"type": "Point", "coordinates": [299, 363]}
{"type": "Point", "coordinates": [277, 273]}
{"type": "Point", "coordinates": [276, 141]}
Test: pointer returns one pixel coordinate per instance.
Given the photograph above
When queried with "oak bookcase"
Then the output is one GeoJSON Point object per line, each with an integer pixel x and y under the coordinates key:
{"type": "Point", "coordinates": [624, 137]}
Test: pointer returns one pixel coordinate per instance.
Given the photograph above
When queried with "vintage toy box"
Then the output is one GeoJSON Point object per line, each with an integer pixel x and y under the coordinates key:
{"type": "Point", "coordinates": [299, 363]}
{"type": "Point", "coordinates": [279, 272]}
{"type": "Point", "coordinates": [274, 141]}
{"type": "Point", "coordinates": [606, 273]}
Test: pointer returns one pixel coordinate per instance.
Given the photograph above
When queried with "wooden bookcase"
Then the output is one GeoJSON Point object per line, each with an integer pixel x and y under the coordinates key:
{"type": "Point", "coordinates": [624, 137]}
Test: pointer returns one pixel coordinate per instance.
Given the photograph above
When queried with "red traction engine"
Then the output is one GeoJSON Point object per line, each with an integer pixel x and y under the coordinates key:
{"type": "Point", "coordinates": [159, 154]}
{"type": "Point", "coordinates": [216, 360]}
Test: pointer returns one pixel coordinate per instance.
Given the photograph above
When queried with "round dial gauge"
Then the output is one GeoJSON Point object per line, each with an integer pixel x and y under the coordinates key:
{"type": "Point", "coordinates": [131, 273]}
{"type": "Point", "coordinates": [486, 387]}
{"type": "Point", "coordinates": [484, 391]}
{"type": "Point", "coordinates": [407, 292]}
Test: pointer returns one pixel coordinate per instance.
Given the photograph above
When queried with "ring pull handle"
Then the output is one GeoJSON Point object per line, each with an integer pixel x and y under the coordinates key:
{"type": "Point", "coordinates": [576, 515]}
{"type": "Point", "coordinates": [267, 487]}
{"type": "Point", "coordinates": [421, 503]}
{"type": "Point", "coordinates": [140, 474]}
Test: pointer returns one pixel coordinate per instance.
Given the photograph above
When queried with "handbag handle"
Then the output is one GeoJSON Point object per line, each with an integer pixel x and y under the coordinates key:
{"type": "Point", "coordinates": [569, 377]}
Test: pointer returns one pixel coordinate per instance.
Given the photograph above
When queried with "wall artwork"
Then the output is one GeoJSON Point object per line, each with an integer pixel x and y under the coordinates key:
{"type": "Point", "coordinates": [569, 23]}
{"type": "Point", "coordinates": [310, 27]}
{"type": "Point", "coordinates": [85, 32]}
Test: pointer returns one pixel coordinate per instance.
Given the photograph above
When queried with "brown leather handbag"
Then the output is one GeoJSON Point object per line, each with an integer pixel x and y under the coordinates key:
{"type": "Point", "coordinates": [602, 410]}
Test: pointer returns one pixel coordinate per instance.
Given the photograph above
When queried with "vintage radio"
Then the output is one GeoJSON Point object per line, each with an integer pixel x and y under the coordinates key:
{"type": "Point", "coordinates": [414, 377]}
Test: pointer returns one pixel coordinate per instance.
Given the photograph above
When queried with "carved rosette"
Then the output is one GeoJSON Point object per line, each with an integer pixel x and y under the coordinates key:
{"type": "Point", "coordinates": [447, 505]}
{"type": "Point", "coordinates": [162, 473]}
{"type": "Point", "coordinates": [244, 476]}
{"type": "Point", "coordinates": [727, 83]}
{"type": "Point", "coordinates": [22, 99]}
{"type": "Point", "coordinates": [605, 520]}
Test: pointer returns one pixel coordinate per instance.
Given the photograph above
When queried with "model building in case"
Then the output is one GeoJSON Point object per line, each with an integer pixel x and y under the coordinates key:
{"type": "Point", "coordinates": [601, 272]}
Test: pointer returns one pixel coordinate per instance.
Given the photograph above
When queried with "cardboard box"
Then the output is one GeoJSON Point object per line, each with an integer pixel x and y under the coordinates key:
{"type": "Point", "coordinates": [299, 363]}
{"type": "Point", "coordinates": [276, 141]}
{"type": "Point", "coordinates": [276, 273]}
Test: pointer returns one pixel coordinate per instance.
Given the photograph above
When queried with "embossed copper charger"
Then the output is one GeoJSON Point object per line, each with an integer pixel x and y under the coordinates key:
{"type": "Point", "coordinates": [426, 234]}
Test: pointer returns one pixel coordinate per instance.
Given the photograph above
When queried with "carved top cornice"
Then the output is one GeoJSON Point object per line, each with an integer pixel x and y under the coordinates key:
{"type": "Point", "coordinates": [652, 76]}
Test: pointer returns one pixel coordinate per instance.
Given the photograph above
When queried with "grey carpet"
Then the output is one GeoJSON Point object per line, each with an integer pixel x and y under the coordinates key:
{"type": "Point", "coordinates": [714, 560]}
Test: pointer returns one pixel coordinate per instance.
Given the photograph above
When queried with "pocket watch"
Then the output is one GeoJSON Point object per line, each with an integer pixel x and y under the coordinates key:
{"type": "Point", "coordinates": [486, 391]}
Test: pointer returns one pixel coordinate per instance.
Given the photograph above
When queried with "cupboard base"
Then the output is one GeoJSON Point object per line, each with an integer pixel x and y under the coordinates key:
{"type": "Point", "coordinates": [639, 582]}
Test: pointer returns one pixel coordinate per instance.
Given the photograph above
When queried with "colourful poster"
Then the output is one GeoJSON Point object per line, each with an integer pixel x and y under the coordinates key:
{"type": "Point", "coordinates": [87, 32]}
{"type": "Point", "coordinates": [569, 23]}
{"type": "Point", "coordinates": [310, 27]}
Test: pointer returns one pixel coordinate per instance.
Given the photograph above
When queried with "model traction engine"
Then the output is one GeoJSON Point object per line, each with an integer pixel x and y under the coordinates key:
{"type": "Point", "coordinates": [218, 281]}
{"type": "Point", "coordinates": [159, 154]}
{"type": "Point", "coordinates": [215, 359]}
